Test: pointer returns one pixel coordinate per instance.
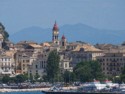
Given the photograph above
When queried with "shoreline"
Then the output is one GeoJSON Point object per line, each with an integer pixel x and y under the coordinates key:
{"type": "Point", "coordinates": [32, 89]}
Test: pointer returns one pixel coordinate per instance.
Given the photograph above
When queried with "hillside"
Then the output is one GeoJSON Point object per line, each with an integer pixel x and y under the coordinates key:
{"type": "Point", "coordinates": [77, 32]}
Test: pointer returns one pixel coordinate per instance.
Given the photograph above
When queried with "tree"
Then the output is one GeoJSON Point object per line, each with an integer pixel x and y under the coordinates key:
{"type": "Point", "coordinates": [45, 79]}
{"type": "Point", "coordinates": [53, 66]}
{"type": "Point", "coordinates": [31, 77]}
{"type": "Point", "coordinates": [37, 76]}
{"type": "Point", "coordinates": [122, 76]}
{"type": "Point", "coordinates": [6, 79]}
{"type": "Point", "coordinates": [3, 32]}
{"type": "Point", "coordinates": [87, 71]}
{"type": "Point", "coordinates": [21, 78]}
{"type": "Point", "coordinates": [68, 77]}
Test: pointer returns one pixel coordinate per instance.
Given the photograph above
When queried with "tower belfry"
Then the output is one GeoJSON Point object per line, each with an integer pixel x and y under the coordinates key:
{"type": "Point", "coordinates": [55, 34]}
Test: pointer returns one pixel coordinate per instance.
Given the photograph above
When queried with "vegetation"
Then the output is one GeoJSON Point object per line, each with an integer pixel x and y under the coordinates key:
{"type": "Point", "coordinates": [69, 77]}
{"type": "Point", "coordinates": [87, 71]}
{"type": "Point", "coordinates": [52, 68]}
{"type": "Point", "coordinates": [6, 79]}
{"type": "Point", "coordinates": [37, 76]}
{"type": "Point", "coordinates": [18, 79]}
{"type": "Point", "coordinates": [21, 78]}
{"type": "Point", "coordinates": [3, 32]}
{"type": "Point", "coordinates": [122, 76]}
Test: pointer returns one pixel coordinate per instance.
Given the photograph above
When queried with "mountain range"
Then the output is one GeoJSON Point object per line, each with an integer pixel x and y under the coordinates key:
{"type": "Point", "coordinates": [76, 32]}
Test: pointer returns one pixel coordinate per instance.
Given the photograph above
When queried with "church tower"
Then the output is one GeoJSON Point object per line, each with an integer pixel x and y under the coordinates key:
{"type": "Point", "coordinates": [63, 42]}
{"type": "Point", "coordinates": [55, 34]}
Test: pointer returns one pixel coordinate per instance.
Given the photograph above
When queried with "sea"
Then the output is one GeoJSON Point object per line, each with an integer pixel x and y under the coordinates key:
{"type": "Point", "coordinates": [33, 92]}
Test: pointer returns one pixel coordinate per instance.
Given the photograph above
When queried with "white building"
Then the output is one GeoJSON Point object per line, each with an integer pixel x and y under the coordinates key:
{"type": "Point", "coordinates": [6, 66]}
{"type": "Point", "coordinates": [38, 66]}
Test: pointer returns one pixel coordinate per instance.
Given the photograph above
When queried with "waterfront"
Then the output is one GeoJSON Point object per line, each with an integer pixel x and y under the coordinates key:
{"type": "Point", "coordinates": [30, 92]}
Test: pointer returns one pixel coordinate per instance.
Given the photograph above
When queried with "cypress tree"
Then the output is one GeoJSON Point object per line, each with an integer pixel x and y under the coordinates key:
{"type": "Point", "coordinates": [53, 66]}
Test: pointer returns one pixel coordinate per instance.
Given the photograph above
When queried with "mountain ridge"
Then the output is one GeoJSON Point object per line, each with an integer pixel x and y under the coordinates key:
{"type": "Point", "coordinates": [76, 32]}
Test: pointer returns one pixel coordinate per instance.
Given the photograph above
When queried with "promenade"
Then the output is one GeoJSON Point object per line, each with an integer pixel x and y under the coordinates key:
{"type": "Point", "coordinates": [32, 89]}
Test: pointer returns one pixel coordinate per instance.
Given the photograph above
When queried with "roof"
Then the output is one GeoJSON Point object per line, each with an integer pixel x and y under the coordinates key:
{"type": "Point", "coordinates": [35, 45]}
{"type": "Point", "coordinates": [55, 27]}
{"type": "Point", "coordinates": [26, 42]}
{"type": "Point", "coordinates": [86, 47]}
{"type": "Point", "coordinates": [63, 37]}
{"type": "Point", "coordinates": [46, 44]}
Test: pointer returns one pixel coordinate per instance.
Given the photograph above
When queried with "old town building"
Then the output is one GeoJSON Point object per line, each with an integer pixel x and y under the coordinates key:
{"type": "Point", "coordinates": [7, 64]}
{"type": "Point", "coordinates": [84, 52]}
{"type": "Point", "coordinates": [112, 63]}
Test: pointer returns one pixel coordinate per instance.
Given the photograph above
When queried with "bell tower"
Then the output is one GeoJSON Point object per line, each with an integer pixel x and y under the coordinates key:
{"type": "Point", "coordinates": [55, 34]}
{"type": "Point", "coordinates": [63, 42]}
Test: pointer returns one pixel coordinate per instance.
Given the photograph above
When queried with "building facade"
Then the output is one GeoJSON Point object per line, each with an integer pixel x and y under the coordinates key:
{"type": "Point", "coordinates": [7, 66]}
{"type": "Point", "coordinates": [112, 63]}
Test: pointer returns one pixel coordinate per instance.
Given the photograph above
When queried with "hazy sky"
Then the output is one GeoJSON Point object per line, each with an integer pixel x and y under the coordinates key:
{"type": "Point", "coordinates": [103, 14]}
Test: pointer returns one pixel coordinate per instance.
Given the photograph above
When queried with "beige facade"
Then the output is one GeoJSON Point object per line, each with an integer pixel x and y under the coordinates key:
{"type": "Point", "coordinates": [65, 63]}
{"type": "Point", "coordinates": [84, 53]}
{"type": "Point", "coordinates": [112, 63]}
{"type": "Point", "coordinates": [6, 66]}
{"type": "Point", "coordinates": [38, 66]}
{"type": "Point", "coordinates": [26, 57]}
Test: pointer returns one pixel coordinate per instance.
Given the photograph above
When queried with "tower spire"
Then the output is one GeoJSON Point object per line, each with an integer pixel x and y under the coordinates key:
{"type": "Point", "coordinates": [55, 21]}
{"type": "Point", "coordinates": [55, 34]}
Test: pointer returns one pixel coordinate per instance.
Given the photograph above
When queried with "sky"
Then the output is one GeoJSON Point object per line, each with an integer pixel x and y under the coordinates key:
{"type": "Point", "coordinates": [102, 14]}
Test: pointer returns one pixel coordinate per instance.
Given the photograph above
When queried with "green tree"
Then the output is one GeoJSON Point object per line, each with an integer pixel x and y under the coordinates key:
{"type": "Point", "coordinates": [96, 70]}
{"type": "Point", "coordinates": [3, 32]}
{"type": "Point", "coordinates": [68, 77]}
{"type": "Point", "coordinates": [87, 71]}
{"type": "Point", "coordinates": [122, 76]}
{"type": "Point", "coordinates": [21, 78]}
{"type": "Point", "coordinates": [37, 76]}
{"type": "Point", "coordinates": [45, 79]}
{"type": "Point", "coordinates": [53, 66]}
{"type": "Point", "coordinates": [31, 77]}
{"type": "Point", "coordinates": [6, 79]}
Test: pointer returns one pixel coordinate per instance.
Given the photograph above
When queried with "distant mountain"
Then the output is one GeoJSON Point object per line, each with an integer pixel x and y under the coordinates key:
{"type": "Point", "coordinates": [77, 32]}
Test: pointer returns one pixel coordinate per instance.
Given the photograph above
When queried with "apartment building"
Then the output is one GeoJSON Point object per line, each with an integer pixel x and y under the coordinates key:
{"type": "Point", "coordinates": [112, 63]}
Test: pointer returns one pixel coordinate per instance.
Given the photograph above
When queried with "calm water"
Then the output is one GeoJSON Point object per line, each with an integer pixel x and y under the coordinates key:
{"type": "Point", "coordinates": [35, 92]}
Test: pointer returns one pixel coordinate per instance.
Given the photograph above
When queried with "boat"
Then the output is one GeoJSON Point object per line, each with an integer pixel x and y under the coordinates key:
{"type": "Point", "coordinates": [94, 87]}
{"type": "Point", "coordinates": [70, 92]}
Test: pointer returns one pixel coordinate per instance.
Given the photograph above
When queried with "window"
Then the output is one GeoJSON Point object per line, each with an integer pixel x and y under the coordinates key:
{"type": "Point", "coordinates": [107, 59]}
{"type": "Point", "coordinates": [36, 66]}
{"type": "Point", "coordinates": [117, 59]}
{"type": "Point", "coordinates": [27, 60]}
{"type": "Point", "coordinates": [42, 64]}
{"type": "Point", "coordinates": [117, 69]}
{"type": "Point", "coordinates": [103, 68]}
{"type": "Point", "coordinates": [65, 65]}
